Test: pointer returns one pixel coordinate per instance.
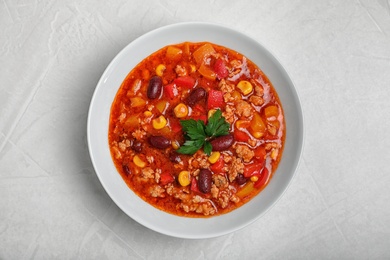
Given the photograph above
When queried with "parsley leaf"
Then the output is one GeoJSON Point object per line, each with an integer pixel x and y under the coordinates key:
{"type": "Point", "coordinates": [198, 134]}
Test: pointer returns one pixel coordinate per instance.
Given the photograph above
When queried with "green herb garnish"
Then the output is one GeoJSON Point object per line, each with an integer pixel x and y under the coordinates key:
{"type": "Point", "coordinates": [198, 135]}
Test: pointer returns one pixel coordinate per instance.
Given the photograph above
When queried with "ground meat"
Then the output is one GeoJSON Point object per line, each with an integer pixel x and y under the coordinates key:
{"type": "Point", "coordinates": [259, 91]}
{"type": "Point", "coordinates": [269, 146]}
{"type": "Point", "coordinates": [243, 108]}
{"type": "Point", "coordinates": [147, 173]}
{"type": "Point", "coordinates": [244, 152]}
{"type": "Point", "coordinates": [180, 71]}
{"type": "Point", "coordinates": [256, 100]}
{"type": "Point", "coordinates": [122, 117]}
{"type": "Point", "coordinates": [124, 144]}
{"type": "Point", "coordinates": [225, 86]}
{"type": "Point", "coordinates": [199, 205]}
{"type": "Point", "coordinates": [224, 198]}
{"type": "Point", "coordinates": [220, 181]}
{"type": "Point", "coordinates": [235, 168]}
{"type": "Point", "coordinates": [157, 191]}
{"type": "Point", "coordinates": [199, 160]}
{"type": "Point", "coordinates": [272, 129]}
{"type": "Point", "coordinates": [138, 134]}
{"type": "Point", "coordinates": [228, 114]}
{"type": "Point", "coordinates": [214, 191]}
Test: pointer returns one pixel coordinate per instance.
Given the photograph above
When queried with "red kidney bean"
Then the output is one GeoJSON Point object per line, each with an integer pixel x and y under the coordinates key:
{"type": "Point", "coordinates": [136, 146]}
{"type": "Point", "coordinates": [126, 169]}
{"type": "Point", "coordinates": [195, 96]}
{"type": "Point", "coordinates": [204, 180]}
{"type": "Point", "coordinates": [222, 143]}
{"type": "Point", "coordinates": [159, 141]}
{"type": "Point", "coordinates": [154, 87]}
{"type": "Point", "coordinates": [174, 157]}
{"type": "Point", "coordinates": [240, 179]}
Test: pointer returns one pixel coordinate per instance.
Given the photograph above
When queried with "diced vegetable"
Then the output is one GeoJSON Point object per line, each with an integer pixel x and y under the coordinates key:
{"type": "Point", "coordinates": [260, 152]}
{"type": "Point", "coordinates": [246, 190]}
{"type": "Point", "coordinates": [220, 69]}
{"type": "Point", "coordinates": [159, 122]}
{"type": "Point", "coordinates": [242, 124]}
{"type": "Point", "coordinates": [132, 121]}
{"type": "Point", "coordinates": [207, 72]}
{"type": "Point", "coordinates": [184, 178]}
{"type": "Point", "coordinates": [173, 53]}
{"type": "Point", "coordinates": [171, 91]}
{"type": "Point", "coordinates": [245, 87]}
{"type": "Point", "coordinates": [160, 69]}
{"type": "Point", "coordinates": [214, 157]}
{"type": "Point", "coordinates": [271, 111]}
{"type": "Point", "coordinates": [252, 169]}
{"type": "Point", "coordinates": [175, 145]}
{"type": "Point", "coordinates": [241, 136]}
{"type": "Point", "coordinates": [138, 161]}
{"type": "Point", "coordinates": [203, 52]}
{"type": "Point", "coordinates": [211, 112]}
{"type": "Point", "coordinates": [181, 110]}
{"type": "Point", "coordinates": [147, 113]}
{"type": "Point", "coordinates": [175, 125]}
{"type": "Point", "coordinates": [215, 99]}
{"type": "Point", "coordinates": [194, 185]}
{"type": "Point", "coordinates": [137, 102]}
{"type": "Point", "coordinates": [217, 167]}
{"type": "Point", "coordinates": [263, 179]}
{"type": "Point", "coordinates": [166, 178]}
{"type": "Point", "coordinates": [162, 106]}
{"type": "Point", "coordinates": [257, 127]}
{"type": "Point", "coordinates": [185, 81]}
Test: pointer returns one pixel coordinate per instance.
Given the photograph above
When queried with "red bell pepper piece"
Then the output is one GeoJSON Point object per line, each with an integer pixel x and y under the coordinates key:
{"type": "Point", "coordinates": [214, 99]}
{"type": "Point", "coordinates": [240, 136]}
{"type": "Point", "coordinates": [263, 178]}
{"type": "Point", "coordinates": [254, 168]}
{"type": "Point", "coordinates": [217, 167]}
{"type": "Point", "coordinates": [194, 185]}
{"type": "Point", "coordinates": [260, 152]}
{"type": "Point", "coordinates": [175, 125]}
{"type": "Point", "coordinates": [166, 178]}
{"type": "Point", "coordinates": [200, 117]}
{"type": "Point", "coordinates": [185, 81]}
{"type": "Point", "coordinates": [171, 90]}
{"type": "Point", "coordinates": [220, 69]}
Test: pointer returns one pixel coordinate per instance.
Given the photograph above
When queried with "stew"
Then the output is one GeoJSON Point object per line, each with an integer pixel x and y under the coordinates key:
{"type": "Point", "coordinates": [196, 129]}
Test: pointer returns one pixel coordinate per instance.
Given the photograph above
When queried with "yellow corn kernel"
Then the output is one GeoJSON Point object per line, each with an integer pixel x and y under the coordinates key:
{"type": "Point", "coordinates": [184, 178]}
{"type": "Point", "coordinates": [211, 113]}
{"type": "Point", "coordinates": [148, 113]}
{"type": "Point", "coordinates": [193, 68]}
{"type": "Point", "coordinates": [138, 161]}
{"type": "Point", "coordinates": [175, 145]}
{"type": "Point", "coordinates": [274, 154]}
{"type": "Point", "coordinates": [242, 124]}
{"type": "Point", "coordinates": [159, 122]}
{"type": "Point", "coordinates": [160, 69]}
{"type": "Point", "coordinates": [181, 110]}
{"type": "Point", "coordinates": [245, 87]}
{"type": "Point", "coordinates": [213, 158]}
{"type": "Point", "coordinates": [254, 178]}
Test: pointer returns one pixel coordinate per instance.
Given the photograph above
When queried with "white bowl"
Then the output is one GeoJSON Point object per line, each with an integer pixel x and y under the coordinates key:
{"type": "Point", "coordinates": [98, 120]}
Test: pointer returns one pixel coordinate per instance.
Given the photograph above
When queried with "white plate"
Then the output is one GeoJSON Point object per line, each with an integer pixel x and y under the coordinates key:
{"type": "Point", "coordinates": [98, 120]}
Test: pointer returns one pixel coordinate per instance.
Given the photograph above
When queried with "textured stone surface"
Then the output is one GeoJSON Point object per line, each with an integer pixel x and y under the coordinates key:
{"type": "Point", "coordinates": [52, 54]}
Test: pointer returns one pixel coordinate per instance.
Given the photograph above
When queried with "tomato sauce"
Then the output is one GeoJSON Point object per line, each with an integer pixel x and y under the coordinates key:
{"type": "Point", "coordinates": [196, 129]}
